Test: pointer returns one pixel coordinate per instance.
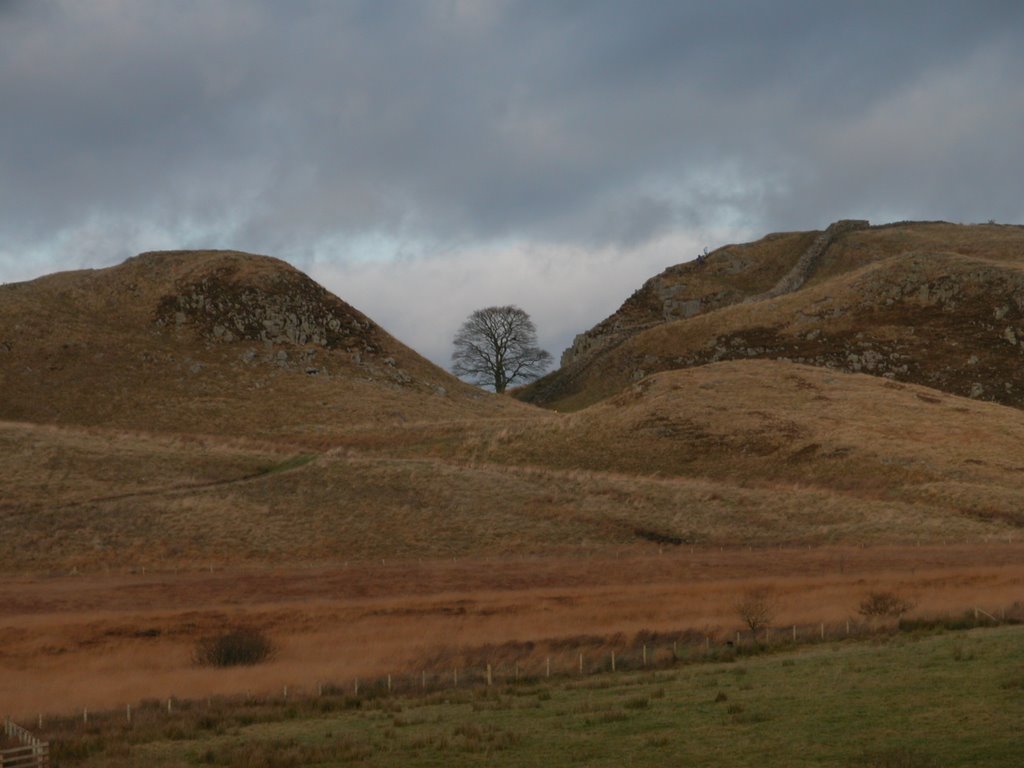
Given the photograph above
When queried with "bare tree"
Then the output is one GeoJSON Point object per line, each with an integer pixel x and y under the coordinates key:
{"type": "Point", "coordinates": [497, 346]}
{"type": "Point", "coordinates": [757, 609]}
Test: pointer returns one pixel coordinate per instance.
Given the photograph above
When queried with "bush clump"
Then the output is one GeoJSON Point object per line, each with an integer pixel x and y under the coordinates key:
{"type": "Point", "coordinates": [239, 647]}
{"type": "Point", "coordinates": [881, 604]}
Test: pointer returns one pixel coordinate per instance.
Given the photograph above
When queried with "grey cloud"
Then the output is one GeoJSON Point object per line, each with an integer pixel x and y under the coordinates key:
{"type": "Point", "coordinates": [279, 127]}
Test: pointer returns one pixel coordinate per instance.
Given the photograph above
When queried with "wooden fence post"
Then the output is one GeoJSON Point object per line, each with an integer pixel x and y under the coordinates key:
{"type": "Point", "coordinates": [613, 661]}
{"type": "Point", "coordinates": [794, 633]}
{"type": "Point", "coordinates": [488, 675]}
{"type": "Point", "coordinates": [548, 673]}
{"type": "Point", "coordinates": [645, 654]}
{"type": "Point", "coordinates": [581, 663]}
{"type": "Point", "coordinates": [128, 712]}
{"type": "Point", "coordinates": [356, 687]}
{"type": "Point", "coordinates": [389, 683]}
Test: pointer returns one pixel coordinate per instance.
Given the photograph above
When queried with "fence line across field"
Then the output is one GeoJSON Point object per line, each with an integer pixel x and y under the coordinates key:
{"type": "Point", "coordinates": [648, 651]}
{"type": "Point", "coordinates": [649, 654]}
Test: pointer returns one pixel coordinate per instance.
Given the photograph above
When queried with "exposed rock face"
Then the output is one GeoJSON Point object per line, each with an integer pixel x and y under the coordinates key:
{"type": "Point", "coordinates": [714, 281]}
{"type": "Point", "coordinates": [207, 341]}
{"type": "Point", "coordinates": [929, 303]}
{"type": "Point", "coordinates": [290, 309]}
{"type": "Point", "coordinates": [929, 320]}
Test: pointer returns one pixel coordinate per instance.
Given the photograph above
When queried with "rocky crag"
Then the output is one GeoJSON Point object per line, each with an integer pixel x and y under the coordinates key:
{"type": "Point", "coordinates": [929, 303]}
{"type": "Point", "coordinates": [200, 340]}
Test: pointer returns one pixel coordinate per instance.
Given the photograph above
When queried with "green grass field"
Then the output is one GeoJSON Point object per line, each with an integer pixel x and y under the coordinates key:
{"type": "Point", "coordinates": [903, 701]}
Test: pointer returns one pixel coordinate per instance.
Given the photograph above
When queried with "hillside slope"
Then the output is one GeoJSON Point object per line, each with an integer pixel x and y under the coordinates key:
{"type": "Point", "coordinates": [752, 452]}
{"type": "Point", "coordinates": [928, 303]}
{"type": "Point", "coordinates": [217, 342]}
{"type": "Point", "coordinates": [217, 407]}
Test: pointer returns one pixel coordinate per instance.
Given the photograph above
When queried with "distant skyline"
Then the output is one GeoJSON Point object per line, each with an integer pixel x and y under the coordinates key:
{"type": "Point", "coordinates": [425, 158]}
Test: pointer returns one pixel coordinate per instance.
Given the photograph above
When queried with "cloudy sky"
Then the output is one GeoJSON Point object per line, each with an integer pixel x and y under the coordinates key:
{"type": "Point", "coordinates": [429, 157]}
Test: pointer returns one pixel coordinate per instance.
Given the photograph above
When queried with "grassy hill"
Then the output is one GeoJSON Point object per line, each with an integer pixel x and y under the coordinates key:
{"type": "Point", "coordinates": [927, 303]}
{"type": "Point", "coordinates": [215, 342]}
{"type": "Point", "coordinates": [754, 452]}
{"type": "Point", "coordinates": [218, 407]}
{"type": "Point", "coordinates": [198, 440]}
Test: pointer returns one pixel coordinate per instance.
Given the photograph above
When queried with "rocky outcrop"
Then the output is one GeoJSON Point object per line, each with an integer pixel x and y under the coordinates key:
{"type": "Point", "coordinates": [713, 281]}
{"type": "Point", "coordinates": [930, 303]}
{"type": "Point", "coordinates": [675, 294]}
{"type": "Point", "coordinates": [289, 309]}
{"type": "Point", "coordinates": [928, 319]}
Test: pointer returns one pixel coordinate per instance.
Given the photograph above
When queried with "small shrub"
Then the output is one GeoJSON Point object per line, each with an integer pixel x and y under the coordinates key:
{"type": "Point", "coordinates": [239, 647]}
{"type": "Point", "coordinates": [884, 604]}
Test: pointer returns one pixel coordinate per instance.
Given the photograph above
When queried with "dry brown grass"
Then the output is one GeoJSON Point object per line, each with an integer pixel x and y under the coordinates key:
{"type": "Point", "coordinates": [996, 242]}
{"type": "Point", "coordinates": [884, 288]}
{"type": "Point", "coordinates": [87, 348]}
{"type": "Point", "coordinates": [786, 422]}
{"type": "Point", "coordinates": [104, 641]}
{"type": "Point", "coordinates": [820, 457]}
{"type": "Point", "coordinates": [369, 523]}
{"type": "Point", "coordinates": [779, 448]}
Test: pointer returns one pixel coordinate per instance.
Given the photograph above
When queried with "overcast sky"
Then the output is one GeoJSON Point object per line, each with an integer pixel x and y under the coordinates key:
{"type": "Point", "coordinates": [425, 158]}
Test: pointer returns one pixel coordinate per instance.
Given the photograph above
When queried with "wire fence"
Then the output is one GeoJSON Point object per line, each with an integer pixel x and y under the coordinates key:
{"type": "Point", "coordinates": [502, 667]}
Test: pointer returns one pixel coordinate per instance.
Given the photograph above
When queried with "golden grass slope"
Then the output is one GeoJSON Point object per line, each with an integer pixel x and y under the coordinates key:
{"type": "Point", "coordinates": [217, 407]}
{"type": "Point", "coordinates": [756, 452]}
{"type": "Point", "coordinates": [934, 304]}
{"type": "Point", "coordinates": [906, 457]}
{"type": "Point", "coordinates": [216, 342]}
{"type": "Point", "coordinates": [771, 421]}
